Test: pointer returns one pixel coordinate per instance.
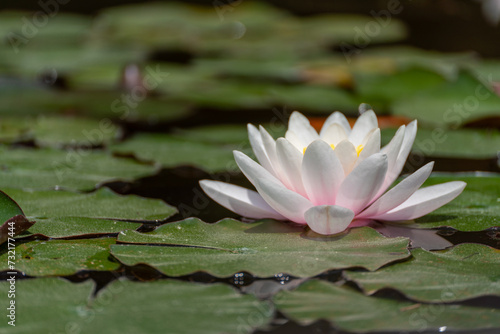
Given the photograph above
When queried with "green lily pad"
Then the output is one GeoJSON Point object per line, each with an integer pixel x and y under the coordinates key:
{"type": "Point", "coordinates": [377, 89]}
{"type": "Point", "coordinates": [460, 143]}
{"type": "Point", "coordinates": [61, 257]}
{"type": "Point", "coordinates": [314, 98]}
{"type": "Point", "coordinates": [56, 305]}
{"type": "Point", "coordinates": [404, 57]}
{"type": "Point", "coordinates": [47, 304]}
{"type": "Point", "coordinates": [264, 249]}
{"type": "Point", "coordinates": [59, 131]}
{"type": "Point", "coordinates": [350, 310]}
{"type": "Point", "coordinates": [102, 203]}
{"type": "Point", "coordinates": [65, 227]}
{"type": "Point", "coordinates": [476, 209]}
{"type": "Point", "coordinates": [78, 169]}
{"type": "Point", "coordinates": [184, 308]}
{"type": "Point", "coordinates": [172, 151]}
{"type": "Point", "coordinates": [451, 104]}
{"type": "Point", "coordinates": [460, 273]}
{"type": "Point", "coordinates": [12, 220]}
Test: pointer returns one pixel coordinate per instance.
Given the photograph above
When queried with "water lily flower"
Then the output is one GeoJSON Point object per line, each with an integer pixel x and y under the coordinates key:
{"type": "Point", "coordinates": [332, 179]}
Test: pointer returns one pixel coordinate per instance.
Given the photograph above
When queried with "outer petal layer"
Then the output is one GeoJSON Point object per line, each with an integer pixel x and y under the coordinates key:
{"type": "Point", "coordinates": [245, 202]}
{"type": "Point", "coordinates": [288, 203]}
{"type": "Point", "coordinates": [424, 201]}
{"type": "Point", "coordinates": [400, 193]}
{"type": "Point", "coordinates": [328, 219]}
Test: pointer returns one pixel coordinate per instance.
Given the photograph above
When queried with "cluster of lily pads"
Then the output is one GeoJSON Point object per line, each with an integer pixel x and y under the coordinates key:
{"type": "Point", "coordinates": [76, 141]}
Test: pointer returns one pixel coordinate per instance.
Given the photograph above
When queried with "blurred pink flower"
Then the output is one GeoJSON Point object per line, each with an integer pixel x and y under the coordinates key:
{"type": "Point", "coordinates": [330, 179]}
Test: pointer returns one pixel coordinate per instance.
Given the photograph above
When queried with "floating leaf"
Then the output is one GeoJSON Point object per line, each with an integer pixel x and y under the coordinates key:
{"type": "Point", "coordinates": [350, 310]}
{"type": "Point", "coordinates": [460, 273]}
{"type": "Point", "coordinates": [172, 151]}
{"type": "Point", "coordinates": [177, 307]}
{"type": "Point", "coordinates": [62, 257]}
{"type": "Point", "coordinates": [48, 305]}
{"type": "Point", "coordinates": [102, 203]}
{"type": "Point", "coordinates": [264, 249]}
{"type": "Point", "coordinates": [56, 305]}
{"type": "Point", "coordinates": [65, 227]}
{"type": "Point", "coordinates": [79, 169]}
{"type": "Point", "coordinates": [381, 89]}
{"type": "Point", "coordinates": [451, 104]}
{"type": "Point", "coordinates": [460, 144]}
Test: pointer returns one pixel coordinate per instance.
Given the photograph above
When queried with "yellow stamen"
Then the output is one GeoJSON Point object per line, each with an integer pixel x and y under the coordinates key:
{"type": "Point", "coordinates": [359, 149]}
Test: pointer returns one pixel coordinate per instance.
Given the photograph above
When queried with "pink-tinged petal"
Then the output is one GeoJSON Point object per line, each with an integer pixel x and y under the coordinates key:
{"type": "Point", "coordinates": [424, 200]}
{"type": "Point", "coordinates": [364, 124]}
{"type": "Point", "coordinates": [301, 128]}
{"type": "Point", "coordinates": [258, 147]}
{"type": "Point", "coordinates": [359, 187]}
{"type": "Point", "coordinates": [371, 147]}
{"type": "Point", "coordinates": [290, 160]}
{"type": "Point", "coordinates": [245, 202]}
{"type": "Point", "coordinates": [251, 169]}
{"type": "Point", "coordinates": [400, 193]}
{"type": "Point", "coordinates": [285, 201]}
{"type": "Point", "coordinates": [336, 118]}
{"type": "Point", "coordinates": [346, 152]}
{"type": "Point", "coordinates": [334, 134]}
{"type": "Point", "coordinates": [322, 173]}
{"type": "Point", "coordinates": [328, 219]}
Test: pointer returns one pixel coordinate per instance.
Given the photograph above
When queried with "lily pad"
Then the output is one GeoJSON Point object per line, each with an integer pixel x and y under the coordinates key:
{"type": "Point", "coordinates": [177, 307]}
{"type": "Point", "coordinates": [78, 169]}
{"type": "Point", "coordinates": [47, 305]}
{"type": "Point", "coordinates": [378, 89]}
{"type": "Point", "coordinates": [264, 249]}
{"type": "Point", "coordinates": [476, 209]}
{"type": "Point", "coordinates": [65, 227]}
{"type": "Point", "coordinates": [451, 104]}
{"type": "Point", "coordinates": [171, 151]}
{"type": "Point", "coordinates": [62, 257]}
{"type": "Point", "coordinates": [460, 143]}
{"type": "Point", "coordinates": [102, 203]}
{"type": "Point", "coordinates": [56, 305]}
{"type": "Point", "coordinates": [12, 220]}
{"type": "Point", "coordinates": [59, 131]}
{"type": "Point", "coordinates": [350, 310]}
{"type": "Point", "coordinates": [460, 273]}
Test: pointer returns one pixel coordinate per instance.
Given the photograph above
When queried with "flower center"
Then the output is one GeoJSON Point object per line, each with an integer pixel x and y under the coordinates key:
{"type": "Point", "coordinates": [358, 149]}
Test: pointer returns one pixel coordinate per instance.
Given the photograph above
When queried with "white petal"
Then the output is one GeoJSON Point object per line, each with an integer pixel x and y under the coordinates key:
{"type": "Point", "coordinates": [334, 134]}
{"type": "Point", "coordinates": [301, 128]}
{"type": "Point", "coordinates": [290, 160]}
{"type": "Point", "coordinates": [251, 169]}
{"type": "Point", "coordinates": [347, 155]}
{"type": "Point", "coordinates": [322, 173]}
{"type": "Point", "coordinates": [371, 147]}
{"type": "Point", "coordinates": [400, 193]}
{"type": "Point", "coordinates": [336, 118]}
{"type": "Point", "coordinates": [295, 140]}
{"type": "Point", "coordinates": [424, 201]}
{"type": "Point", "coordinates": [397, 151]}
{"type": "Point", "coordinates": [270, 147]}
{"type": "Point", "coordinates": [328, 219]}
{"type": "Point", "coordinates": [288, 203]}
{"type": "Point", "coordinates": [245, 202]}
{"type": "Point", "coordinates": [359, 187]}
{"type": "Point", "coordinates": [364, 124]}
{"type": "Point", "coordinates": [258, 147]}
